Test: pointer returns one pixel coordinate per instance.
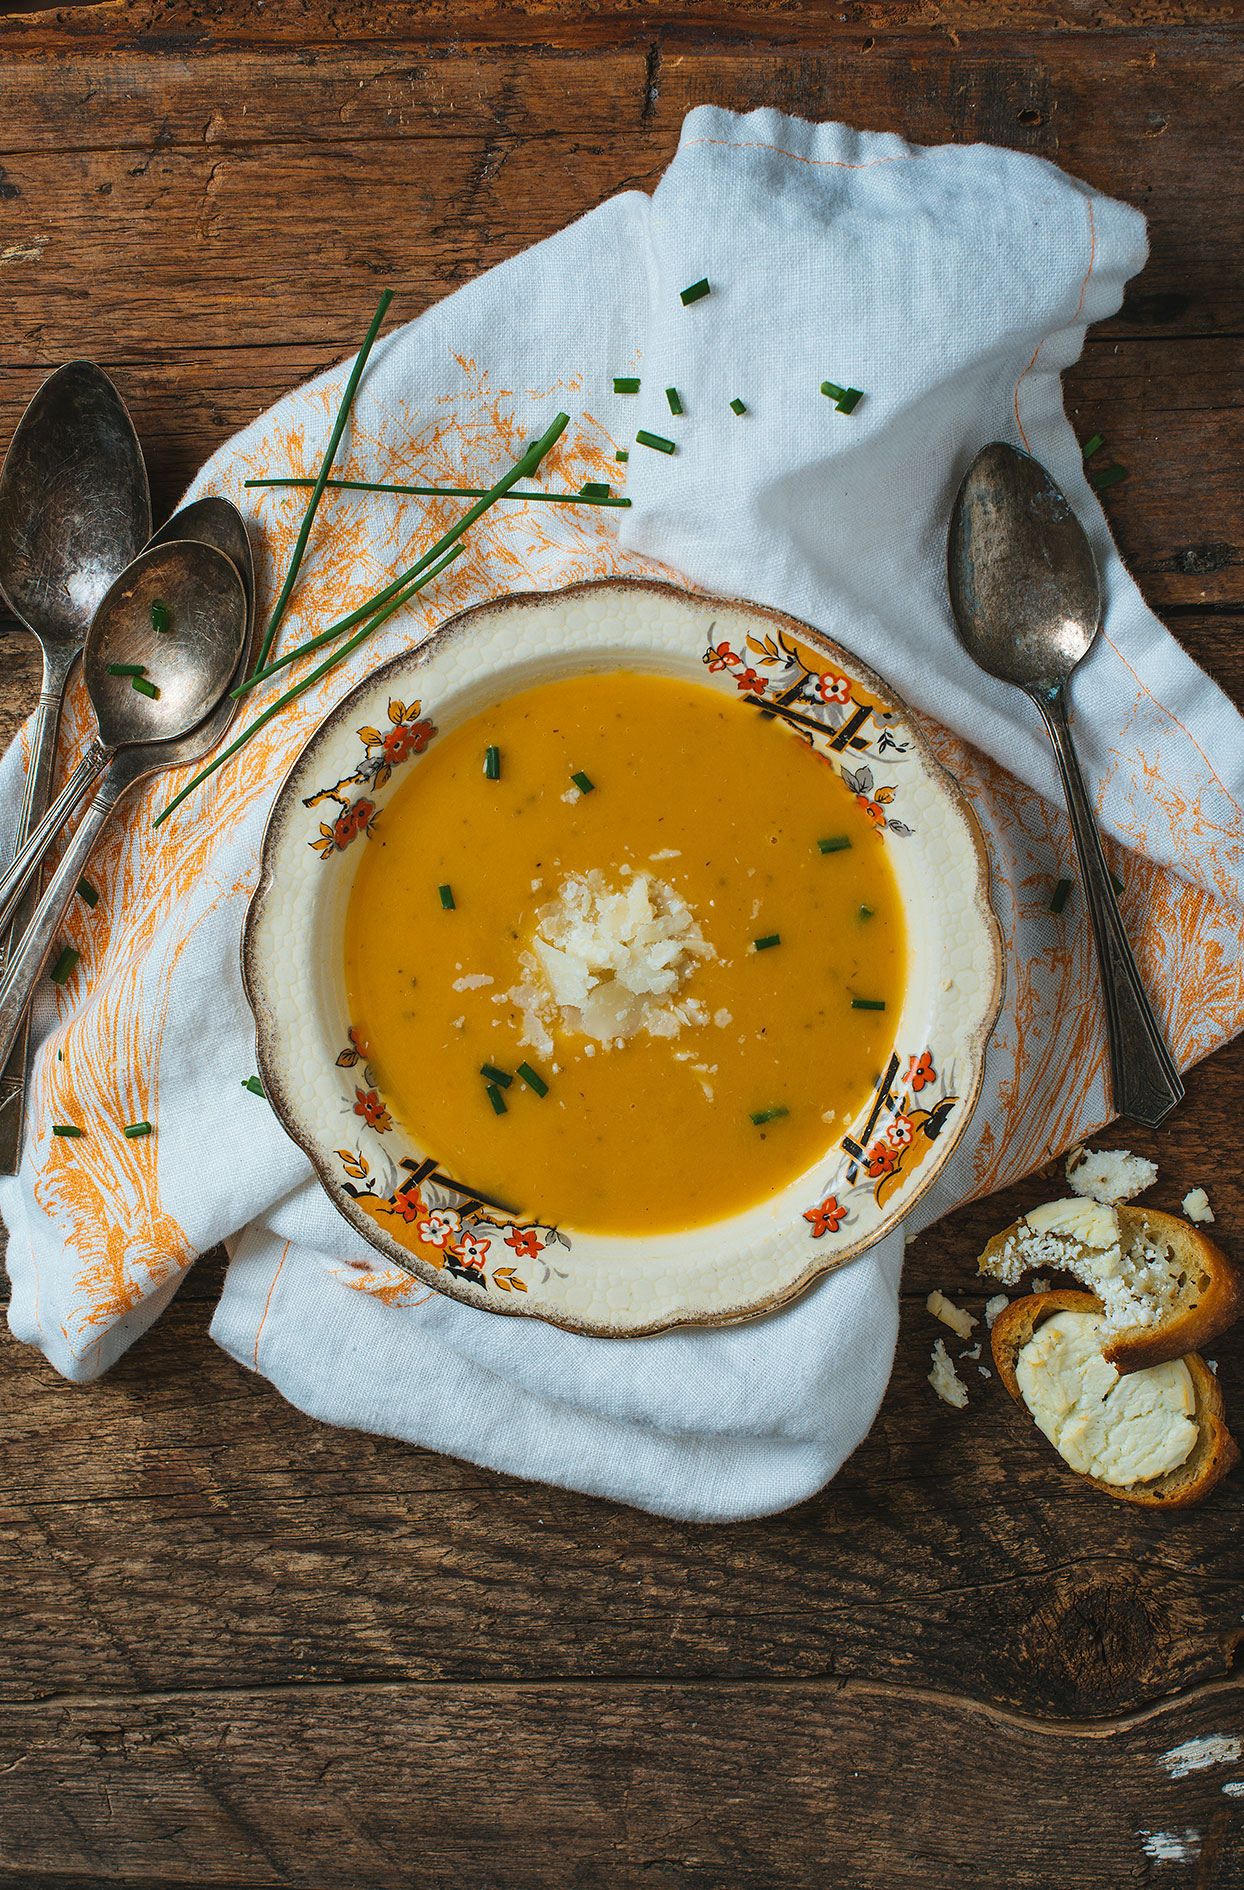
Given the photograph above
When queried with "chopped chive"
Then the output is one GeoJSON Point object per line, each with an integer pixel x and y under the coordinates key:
{"type": "Point", "coordinates": [867, 1004]}
{"type": "Point", "coordinates": [866, 912]}
{"type": "Point", "coordinates": [837, 843]}
{"type": "Point", "coordinates": [492, 764]}
{"type": "Point", "coordinates": [625, 384]}
{"type": "Point", "coordinates": [695, 293]}
{"type": "Point", "coordinates": [763, 944]}
{"type": "Point", "coordinates": [136, 1129]}
{"type": "Point", "coordinates": [63, 969]}
{"type": "Point", "coordinates": [736, 405]}
{"type": "Point", "coordinates": [655, 441]}
{"type": "Point", "coordinates": [144, 687]}
{"type": "Point", "coordinates": [532, 1080]}
{"type": "Point", "coordinates": [832, 391]}
{"type": "Point", "coordinates": [1110, 477]}
{"type": "Point", "coordinates": [1059, 899]}
{"type": "Point", "coordinates": [159, 617]}
{"type": "Point", "coordinates": [1117, 884]}
{"type": "Point", "coordinates": [495, 1075]}
{"type": "Point", "coordinates": [254, 1085]}
{"type": "Point", "coordinates": [769, 1115]}
{"type": "Point", "coordinates": [447, 897]}
{"type": "Point", "coordinates": [87, 893]}
{"type": "Point", "coordinates": [622, 455]}
{"type": "Point", "coordinates": [584, 785]}
{"type": "Point", "coordinates": [594, 489]}
{"type": "Point", "coordinates": [126, 669]}
{"type": "Point", "coordinates": [66, 1128]}
{"type": "Point", "coordinates": [1093, 446]}
{"type": "Point", "coordinates": [850, 401]}
{"type": "Point", "coordinates": [674, 399]}
{"type": "Point", "coordinates": [496, 1099]}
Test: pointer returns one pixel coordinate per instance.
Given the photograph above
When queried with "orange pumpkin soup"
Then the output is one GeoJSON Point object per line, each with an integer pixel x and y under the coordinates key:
{"type": "Point", "coordinates": [614, 890]}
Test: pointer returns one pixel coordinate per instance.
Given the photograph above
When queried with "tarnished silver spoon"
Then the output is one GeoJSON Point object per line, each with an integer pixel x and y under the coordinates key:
{"type": "Point", "coordinates": [187, 668]}
{"type": "Point", "coordinates": [1027, 602]}
{"type": "Point", "coordinates": [209, 521]}
{"type": "Point", "coordinates": [74, 511]}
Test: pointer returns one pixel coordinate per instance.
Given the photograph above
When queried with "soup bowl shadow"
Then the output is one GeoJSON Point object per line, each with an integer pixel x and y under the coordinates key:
{"type": "Point", "coordinates": [424, 1222]}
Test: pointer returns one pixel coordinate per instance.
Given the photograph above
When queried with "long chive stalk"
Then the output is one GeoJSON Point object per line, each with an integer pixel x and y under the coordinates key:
{"type": "Point", "coordinates": [442, 492]}
{"type": "Point", "coordinates": [521, 469]}
{"type": "Point", "coordinates": [317, 491]}
{"type": "Point", "coordinates": [366, 609]}
{"type": "Point", "coordinates": [291, 695]}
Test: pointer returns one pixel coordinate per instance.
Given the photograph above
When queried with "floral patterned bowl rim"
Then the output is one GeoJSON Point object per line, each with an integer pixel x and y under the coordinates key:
{"type": "Point", "coordinates": [435, 1226]}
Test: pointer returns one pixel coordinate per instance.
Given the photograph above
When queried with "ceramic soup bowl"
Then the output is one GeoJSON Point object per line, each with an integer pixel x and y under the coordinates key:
{"type": "Point", "coordinates": [400, 1197]}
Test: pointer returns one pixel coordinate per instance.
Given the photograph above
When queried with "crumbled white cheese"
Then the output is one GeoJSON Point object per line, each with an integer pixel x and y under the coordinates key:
{"type": "Point", "coordinates": [945, 1380]}
{"type": "Point", "coordinates": [1196, 1205]}
{"type": "Point", "coordinates": [1082, 1237]}
{"type": "Point", "coordinates": [994, 1306]}
{"type": "Point", "coordinates": [1036, 1285]}
{"type": "Point", "coordinates": [950, 1315]}
{"type": "Point", "coordinates": [475, 982]}
{"type": "Point", "coordinates": [722, 1018]}
{"type": "Point", "coordinates": [1110, 1175]}
{"type": "Point", "coordinates": [1123, 1430]}
{"type": "Point", "coordinates": [973, 1353]}
{"type": "Point", "coordinates": [605, 964]}
{"type": "Point", "coordinates": [667, 853]}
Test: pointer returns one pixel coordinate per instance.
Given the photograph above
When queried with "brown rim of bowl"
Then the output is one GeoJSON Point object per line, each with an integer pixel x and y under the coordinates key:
{"type": "Point", "coordinates": [283, 808]}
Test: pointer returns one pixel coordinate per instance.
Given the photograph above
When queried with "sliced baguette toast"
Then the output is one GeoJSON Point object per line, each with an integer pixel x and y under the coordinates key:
{"type": "Point", "coordinates": [1209, 1288]}
{"type": "Point", "coordinates": [1215, 1451]}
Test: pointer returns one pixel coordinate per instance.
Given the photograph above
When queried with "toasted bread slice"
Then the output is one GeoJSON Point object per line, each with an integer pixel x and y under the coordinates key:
{"type": "Point", "coordinates": [1199, 1292]}
{"type": "Point", "coordinates": [1215, 1451]}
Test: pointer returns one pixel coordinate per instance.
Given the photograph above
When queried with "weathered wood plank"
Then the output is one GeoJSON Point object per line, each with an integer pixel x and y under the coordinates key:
{"type": "Point", "coordinates": [860, 24]}
{"type": "Point", "coordinates": [1160, 134]}
{"type": "Point", "coordinates": [179, 1526]}
{"type": "Point", "coordinates": [671, 1787]}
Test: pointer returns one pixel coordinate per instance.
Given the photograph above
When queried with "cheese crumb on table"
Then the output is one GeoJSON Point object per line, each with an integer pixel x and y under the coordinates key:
{"type": "Point", "coordinates": [950, 1315]}
{"type": "Point", "coordinates": [1110, 1175]}
{"type": "Point", "coordinates": [994, 1306]}
{"type": "Point", "coordinates": [1196, 1205]}
{"type": "Point", "coordinates": [1120, 1429]}
{"type": "Point", "coordinates": [945, 1380]}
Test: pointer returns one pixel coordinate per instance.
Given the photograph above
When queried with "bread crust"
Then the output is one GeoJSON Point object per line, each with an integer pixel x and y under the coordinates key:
{"type": "Point", "coordinates": [1212, 1299]}
{"type": "Point", "coordinates": [1215, 1451]}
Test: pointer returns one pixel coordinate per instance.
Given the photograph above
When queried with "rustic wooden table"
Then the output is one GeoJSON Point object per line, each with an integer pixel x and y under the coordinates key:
{"type": "Point", "coordinates": [241, 1649]}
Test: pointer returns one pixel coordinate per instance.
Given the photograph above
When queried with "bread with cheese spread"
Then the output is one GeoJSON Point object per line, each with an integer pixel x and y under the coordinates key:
{"type": "Point", "coordinates": [1166, 1289]}
{"type": "Point", "coordinates": [1213, 1451]}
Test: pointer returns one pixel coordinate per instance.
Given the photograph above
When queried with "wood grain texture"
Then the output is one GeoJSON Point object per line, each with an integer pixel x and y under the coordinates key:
{"type": "Point", "coordinates": [240, 1648]}
{"type": "Point", "coordinates": [677, 1786]}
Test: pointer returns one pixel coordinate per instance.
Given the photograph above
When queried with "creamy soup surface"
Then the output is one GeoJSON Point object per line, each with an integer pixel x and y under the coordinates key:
{"type": "Point", "coordinates": [720, 812]}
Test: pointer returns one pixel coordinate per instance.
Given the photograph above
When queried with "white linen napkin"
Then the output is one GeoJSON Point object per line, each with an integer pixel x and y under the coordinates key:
{"type": "Point", "coordinates": [952, 286]}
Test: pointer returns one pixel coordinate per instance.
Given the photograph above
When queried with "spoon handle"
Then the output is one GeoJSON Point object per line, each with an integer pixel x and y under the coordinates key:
{"type": "Point", "coordinates": [1144, 1081]}
{"type": "Point", "coordinates": [57, 663]}
{"type": "Point", "coordinates": [27, 858]}
{"type": "Point", "coordinates": [30, 953]}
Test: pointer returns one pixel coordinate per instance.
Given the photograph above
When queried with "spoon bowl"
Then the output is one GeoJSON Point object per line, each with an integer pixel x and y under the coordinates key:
{"type": "Point", "coordinates": [189, 663]}
{"type": "Point", "coordinates": [190, 666]}
{"type": "Point", "coordinates": [74, 503]}
{"type": "Point", "coordinates": [1027, 603]}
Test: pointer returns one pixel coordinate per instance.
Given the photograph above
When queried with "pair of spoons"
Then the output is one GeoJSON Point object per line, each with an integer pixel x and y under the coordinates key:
{"type": "Point", "coordinates": [73, 501]}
